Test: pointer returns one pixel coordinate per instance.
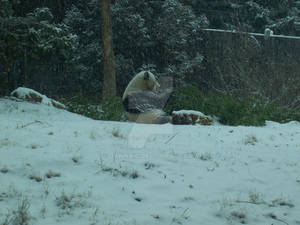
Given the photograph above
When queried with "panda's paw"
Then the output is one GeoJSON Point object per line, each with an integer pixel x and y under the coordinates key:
{"type": "Point", "coordinates": [164, 119]}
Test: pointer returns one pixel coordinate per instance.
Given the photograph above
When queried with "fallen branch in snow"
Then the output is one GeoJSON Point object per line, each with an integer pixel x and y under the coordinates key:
{"type": "Point", "coordinates": [28, 124]}
{"type": "Point", "coordinates": [271, 215]}
{"type": "Point", "coordinates": [274, 217]}
{"type": "Point", "coordinates": [170, 138]}
{"type": "Point", "coordinates": [13, 98]}
{"type": "Point", "coordinates": [249, 202]}
{"type": "Point", "coordinates": [177, 220]}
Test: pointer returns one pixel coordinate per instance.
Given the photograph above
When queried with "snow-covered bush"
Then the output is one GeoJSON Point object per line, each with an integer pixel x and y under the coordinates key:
{"type": "Point", "coordinates": [81, 104]}
{"type": "Point", "coordinates": [166, 35]}
{"type": "Point", "coordinates": [113, 109]}
{"type": "Point", "coordinates": [110, 109]}
{"type": "Point", "coordinates": [229, 110]}
{"type": "Point", "coordinates": [31, 47]}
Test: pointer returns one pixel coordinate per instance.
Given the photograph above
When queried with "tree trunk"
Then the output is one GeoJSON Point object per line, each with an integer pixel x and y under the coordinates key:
{"type": "Point", "coordinates": [109, 79]}
{"type": "Point", "coordinates": [25, 81]}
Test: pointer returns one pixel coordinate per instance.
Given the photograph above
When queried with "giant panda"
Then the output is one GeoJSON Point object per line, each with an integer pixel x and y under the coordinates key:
{"type": "Point", "coordinates": [142, 102]}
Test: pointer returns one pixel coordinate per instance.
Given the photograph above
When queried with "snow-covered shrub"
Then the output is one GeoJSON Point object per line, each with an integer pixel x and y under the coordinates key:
{"type": "Point", "coordinates": [231, 110]}
{"type": "Point", "coordinates": [188, 97]}
{"type": "Point", "coordinates": [6, 9]}
{"type": "Point", "coordinates": [86, 63]}
{"type": "Point", "coordinates": [81, 104]}
{"type": "Point", "coordinates": [42, 14]}
{"type": "Point", "coordinates": [166, 35]}
{"type": "Point", "coordinates": [31, 48]}
{"type": "Point", "coordinates": [110, 109]}
{"type": "Point", "coordinates": [113, 109]}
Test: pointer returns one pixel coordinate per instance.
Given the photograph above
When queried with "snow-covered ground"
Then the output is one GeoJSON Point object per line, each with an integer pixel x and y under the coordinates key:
{"type": "Point", "coordinates": [62, 168]}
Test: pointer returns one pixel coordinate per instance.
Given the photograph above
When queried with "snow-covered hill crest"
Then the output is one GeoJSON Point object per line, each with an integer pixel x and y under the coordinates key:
{"type": "Point", "coordinates": [57, 167]}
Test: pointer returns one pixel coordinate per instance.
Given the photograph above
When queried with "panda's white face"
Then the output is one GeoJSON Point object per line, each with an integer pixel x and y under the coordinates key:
{"type": "Point", "coordinates": [151, 81]}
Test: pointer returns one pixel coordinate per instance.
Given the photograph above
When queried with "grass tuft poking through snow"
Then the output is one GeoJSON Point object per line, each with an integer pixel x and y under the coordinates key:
{"type": "Point", "coordinates": [51, 174]}
{"type": "Point", "coordinates": [255, 197]}
{"type": "Point", "coordinates": [117, 133]}
{"type": "Point", "coordinates": [4, 169]}
{"type": "Point", "coordinates": [36, 178]}
{"type": "Point", "coordinates": [19, 216]}
{"type": "Point", "coordinates": [250, 140]}
{"type": "Point", "coordinates": [202, 156]}
{"type": "Point", "coordinates": [67, 203]}
{"type": "Point", "coordinates": [282, 202]}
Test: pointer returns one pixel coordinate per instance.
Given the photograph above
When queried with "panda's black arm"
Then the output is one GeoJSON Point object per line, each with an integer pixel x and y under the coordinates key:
{"type": "Point", "coordinates": [143, 101]}
{"type": "Point", "coordinates": [131, 105]}
{"type": "Point", "coordinates": [136, 105]}
{"type": "Point", "coordinates": [157, 101]}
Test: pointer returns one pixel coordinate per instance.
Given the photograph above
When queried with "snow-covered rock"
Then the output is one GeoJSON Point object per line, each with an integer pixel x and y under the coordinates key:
{"type": "Point", "coordinates": [190, 117]}
{"type": "Point", "coordinates": [30, 95]}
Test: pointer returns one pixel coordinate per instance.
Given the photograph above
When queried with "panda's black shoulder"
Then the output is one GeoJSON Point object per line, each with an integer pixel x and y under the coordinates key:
{"type": "Point", "coordinates": [140, 101]}
{"type": "Point", "coordinates": [127, 105]}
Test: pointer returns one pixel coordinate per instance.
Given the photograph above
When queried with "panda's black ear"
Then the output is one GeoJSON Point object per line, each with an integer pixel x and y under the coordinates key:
{"type": "Point", "coordinates": [146, 76]}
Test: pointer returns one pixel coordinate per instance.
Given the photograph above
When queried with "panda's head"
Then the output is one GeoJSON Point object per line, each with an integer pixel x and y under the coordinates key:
{"type": "Point", "coordinates": [144, 80]}
{"type": "Point", "coordinates": [150, 81]}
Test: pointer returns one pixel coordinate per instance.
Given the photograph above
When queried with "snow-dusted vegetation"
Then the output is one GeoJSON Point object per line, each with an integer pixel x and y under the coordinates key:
{"type": "Point", "coordinates": [55, 48]}
{"type": "Point", "coordinates": [58, 167]}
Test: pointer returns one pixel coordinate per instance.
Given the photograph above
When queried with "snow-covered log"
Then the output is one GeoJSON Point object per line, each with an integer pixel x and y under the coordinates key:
{"type": "Point", "coordinates": [190, 117]}
{"type": "Point", "coordinates": [30, 95]}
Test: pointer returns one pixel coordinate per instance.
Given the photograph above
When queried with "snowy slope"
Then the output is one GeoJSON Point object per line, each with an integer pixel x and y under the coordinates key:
{"type": "Point", "coordinates": [62, 168]}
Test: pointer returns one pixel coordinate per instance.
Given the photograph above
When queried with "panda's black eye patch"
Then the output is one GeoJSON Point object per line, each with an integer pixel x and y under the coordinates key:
{"type": "Point", "coordinates": [146, 76]}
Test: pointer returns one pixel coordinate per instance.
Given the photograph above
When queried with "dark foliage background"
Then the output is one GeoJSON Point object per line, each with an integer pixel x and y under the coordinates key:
{"type": "Point", "coordinates": [55, 46]}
